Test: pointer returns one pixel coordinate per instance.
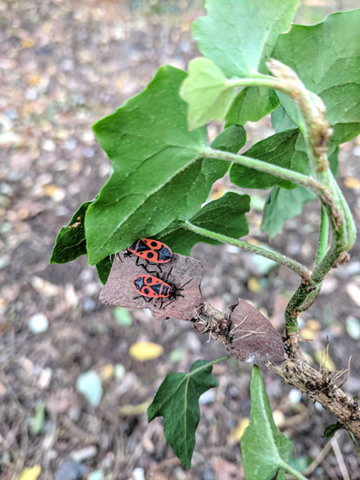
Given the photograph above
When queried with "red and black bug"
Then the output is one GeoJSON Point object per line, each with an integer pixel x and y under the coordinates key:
{"type": "Point", "coordinates": [152, 251]}
{"type": "Point", "coordinates": [151, 288]}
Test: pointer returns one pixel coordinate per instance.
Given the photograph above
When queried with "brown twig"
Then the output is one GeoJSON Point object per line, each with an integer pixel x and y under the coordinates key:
{"type": "Point", "coordinates": [317, 385]}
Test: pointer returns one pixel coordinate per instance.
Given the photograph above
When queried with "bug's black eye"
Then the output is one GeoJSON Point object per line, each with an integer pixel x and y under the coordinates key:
{"type": "Point", "coordinates": [146, 290]}
{"type": "Point", "coordinates": [150, 255]}
{"type": "Point", "coordinates": [148, 280]}
{"type": "Point", "coordinates": [153, 244]}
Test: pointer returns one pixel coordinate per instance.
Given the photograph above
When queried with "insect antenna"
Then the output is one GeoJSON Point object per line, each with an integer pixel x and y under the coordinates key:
{"type": "Point", "coordinates": [182, 286]}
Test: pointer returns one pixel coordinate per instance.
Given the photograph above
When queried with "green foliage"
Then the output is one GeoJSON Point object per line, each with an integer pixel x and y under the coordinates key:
{"type": "Point", "coordinates": [286, 149]}
{"type": "Point", "coordinates": [239, 35]}
{"type": "Point", "coordinates": [38, 421]}
{"type": "Point", "coordinates": [177, 400]}
{"type": "Point", "coordinates": [326, 57]}
{"type": "Point", "coordinates": [225, 215]}
{"type": "Point", "coordinates": [103, 269]}
{"type": "Point", "coordinates": [264, 448]}
{"type": "Point", "coordinates": [330, 430]}
{"type": "Point", "coordinates": [230, 140]}
{"type": "Point", "coordinates": [70, 242]}
{"type": "Point", "coordinates": [206, 92]}
{"type": "Point", "coordinates": [251, 104]}
{"type": "Point", "coordinates": [161, 178]}
{"type": "Point", "coordinates": [159, 174]}
{"type": "Point", "coordinates": [282, 205]}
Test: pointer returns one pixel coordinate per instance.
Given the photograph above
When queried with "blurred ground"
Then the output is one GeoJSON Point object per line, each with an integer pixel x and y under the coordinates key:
{"type": "Point", "coordinates": [64, 65]}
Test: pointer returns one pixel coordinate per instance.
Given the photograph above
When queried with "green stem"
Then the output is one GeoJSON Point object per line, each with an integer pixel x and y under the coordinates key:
{"type": "Point", "coordinates": [276, 257]}
{"type": "Point", "coordinates": [349, 219]}
{"type": "Point", "coordinates": [262, 81]}
{"type": "Point", "coordinates": [292, 470]}
{"type": "Point", "coordinates": [275, 170]}
{"type": "Point", "coordinates": [324, 236]}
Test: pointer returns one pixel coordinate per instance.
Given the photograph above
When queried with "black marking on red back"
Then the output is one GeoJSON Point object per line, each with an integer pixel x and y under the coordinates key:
{"type": "Point", "coordinates": [150, 286]}
{"type": "Point", "coordinates": [151, 250]}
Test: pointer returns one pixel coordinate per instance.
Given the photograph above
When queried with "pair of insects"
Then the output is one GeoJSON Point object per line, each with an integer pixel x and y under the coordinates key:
{"type": "Point", "coordinates": [148, 286]}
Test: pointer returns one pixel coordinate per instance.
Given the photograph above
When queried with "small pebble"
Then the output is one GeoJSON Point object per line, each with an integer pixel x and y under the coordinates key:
{"type": "Point", "coordinates": [38, 323]}
{"type": "Point", "coordinates": [138, 474]}
{"type": "Point", "coordinates": [84, 454]}
{"type": "Point", "coordinates": [294, 396]}
{"type": "Point", "coordinates": [70, 471]}
{"type": "Point", "coordinates": [89, 305]}
{"type": "Point", "coordinates": [207, 397]}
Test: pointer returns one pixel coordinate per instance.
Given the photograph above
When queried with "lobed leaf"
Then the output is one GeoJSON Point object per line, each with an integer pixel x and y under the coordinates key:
{"type": "Point", "coordinates": [225, 215]}
{"type": "Point", "coordinates": [159, 174]}
{"type": "Point", "coordinates": [70, 242]}
{"type": "Point", "coordinates": [285, 149]}
{"type": "Point", "coordinates": [103, 269]}
{"type": "Point", "coordinates": [177, 400]}
{"type": "Point", "coordinates": [221, 215]}
{"type": "Point", "coordinates": [206, 92]}
{"type": "Point", "coordinates": [251, 104]}
{"type": "Point", "coordinates": [230, 140]}
{"type": "Point", "coordinates": [239, 35]}
{"type": "Point", "coordinates": [282, 205]}
{"type": "Point", "coordinates": [326, 57]}
{"type": "Point", "coordinates": [264, 448]}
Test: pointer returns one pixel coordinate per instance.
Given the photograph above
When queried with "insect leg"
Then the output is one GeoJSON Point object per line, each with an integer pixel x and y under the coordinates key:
{"type": "Point", "coordinates": [168, 275]}
{"type": "Point", "coordinates": [182, 286]}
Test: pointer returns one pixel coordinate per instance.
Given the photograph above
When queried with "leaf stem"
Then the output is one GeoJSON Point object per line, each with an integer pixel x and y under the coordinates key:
{"type": "Point", "coordinates": [262, 166]}
{"type": "Point", "coordinates": [270, 254]}
{"type": "Point", "coordinates": [261, 81]}
{"type": "Point", "coordinates": [291, 470]}
{"type": "Point", "coordinates": [323, 237]}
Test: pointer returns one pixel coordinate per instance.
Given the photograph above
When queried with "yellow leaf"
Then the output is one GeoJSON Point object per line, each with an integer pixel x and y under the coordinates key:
{"type": "Point", "coordinates": [253, 241]}
{"type": "Point", "coordinates": [279, 418]}
{"type": "Point", "coordinates": [32, 473]}
{"type": "Point", "coordinates": [307, 334]}
{"type": "Point", "coordinates": [237, 433]}
{"type": "Point", "coordinates": [134, 409]}
{"type": "Point", "coordinates": [325, 361]}
{"type": "Point", "coordinates": [217, 193]}
{"type": "Point", "coordinates": [313, 325]}
{"type": "Point", "coordinates": [352, 182]}
{"type": "Point", "coordinates": [354, 293]}
{"type": "Point", "coordinates": [28, 43]}
{"type": "Point", "coordinates": [107, 372]}
{"type": "Point", "coordinates": [34, 79]}
{"type": "Point", "coordinates": [254, 285]}
{"type": "Point", "coordinates": [144, 351]}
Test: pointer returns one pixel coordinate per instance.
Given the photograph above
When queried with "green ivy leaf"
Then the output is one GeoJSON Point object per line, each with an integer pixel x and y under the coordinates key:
{"type": "Point", "coordinates": [103, 269]}
{"type": "Point", "coordinates": [286, 149]}
{"type": "Point", "coordinates": [239, 35]}
{"type": "Point", "coordinates": [330, 430]}
{"type": "Point", "coordinates": [159, 174]}
{"type": "Point", "coordinates": [70, 242]}
{"type": "Point", "coordinates": [282, 205]}
{"type": "Point", "coordinates": [206, 92]}
{"type": "Point", "coordinates": [326, 57]}
{"type": "Point", "coordinates": [225, 215]}
{"type": "Point", "coordinates": [264, 448]}
{"type": "Point", "coordinates": [281, 121]}
{"type": "Point", "coordinates": [230, 140]}
{"type": "Point", "coordinates": [177, 400]}
{"type": "Point", "coordinates": [251, 104]}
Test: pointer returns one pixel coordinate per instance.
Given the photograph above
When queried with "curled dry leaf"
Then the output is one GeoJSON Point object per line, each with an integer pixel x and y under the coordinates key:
{"type": "Point", "coordinates": [252, 336]}
{"type": "Point", "coordinates": [119, 288]}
